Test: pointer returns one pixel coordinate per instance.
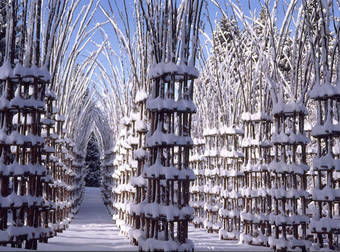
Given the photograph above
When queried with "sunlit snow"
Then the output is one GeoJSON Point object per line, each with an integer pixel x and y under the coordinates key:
{"type": "Point", "coordinates": [92, 229]}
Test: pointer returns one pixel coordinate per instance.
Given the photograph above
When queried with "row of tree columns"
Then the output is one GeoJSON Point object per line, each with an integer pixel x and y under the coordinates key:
{"type": "Point", "coordinates": [36, 163]}
{"type": "Point", "coordinates": [213, 180]}
{"type": "Point", "coordinates": [264, 194]}
{"type": "Point", "coordinates": [255, 180]}
{"type": "Point", "coordinates": [129, 185]}
{"type": "Point", "coordinates": [232, 183]}
{"type": "Point", "coordinates": [124, 166]}
{"type": "Point", "coordinates": [107, 170]}
{"type": "Point", "coordinates": [38, 192]}
{"type": "Point", "coordinates": [325, 223]}
{"type": "Point", "coordinates": [288, 180]}
{"type": "Point", "coordinates": [197, 192]}
{"type": "Point", "coordinates": [138, 181]}
{"type": "Point", "coordinates": [22, 104]}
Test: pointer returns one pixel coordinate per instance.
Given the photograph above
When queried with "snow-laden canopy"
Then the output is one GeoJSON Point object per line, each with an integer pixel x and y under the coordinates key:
{"type": "Point", "coordinates": [92, 119]}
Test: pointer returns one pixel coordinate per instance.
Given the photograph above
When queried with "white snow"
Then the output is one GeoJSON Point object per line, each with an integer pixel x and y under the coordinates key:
{"type": "Point", "coordinates": [204, 241]}
{"type": "Point", "coordinates": [162, 68]}
{"type": "Point", "coordinates": [141, 95]}
{"type": "Point", "coordinates": [167, 104]}
{"type": "Point", "coordinates": [289, 108]}
{"type": "Point", "coordinates": [325, 90]}
{"type": "Point", "coordinates": [7, 71]}
{"type": "Point", "coordinates": [92, 229]}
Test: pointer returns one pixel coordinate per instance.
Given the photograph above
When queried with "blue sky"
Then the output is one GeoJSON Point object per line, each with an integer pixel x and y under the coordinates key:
{"type": "Point", "coordinates": [248, 7]}
{"type": "Point", "coordinates": [210, 9]}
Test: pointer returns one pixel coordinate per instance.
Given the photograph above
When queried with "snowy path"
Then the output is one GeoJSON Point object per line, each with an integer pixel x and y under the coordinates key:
{"type": "Point", "coordinates": [91, 229]}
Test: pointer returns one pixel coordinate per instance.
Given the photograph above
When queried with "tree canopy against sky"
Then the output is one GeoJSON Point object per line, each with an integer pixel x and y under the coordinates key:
{"type": "Point", "coordinates": [106, 50]}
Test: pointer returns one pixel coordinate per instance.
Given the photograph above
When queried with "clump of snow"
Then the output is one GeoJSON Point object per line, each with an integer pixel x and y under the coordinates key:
{"type": "Point", "coordinates": [327, 90]}
{"type": "Point", "coordinates": [160, 69]}
{"type": "Point", "coordinates": [289, 108]}
{"type": "Point", "coordinates": [141, 96]}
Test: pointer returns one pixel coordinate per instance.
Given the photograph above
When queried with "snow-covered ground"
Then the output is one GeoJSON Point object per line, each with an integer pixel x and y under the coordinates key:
{"type": "Point", "coordinates": [92, 229]}
{"type": "Point", "coordinates": [204, 241]}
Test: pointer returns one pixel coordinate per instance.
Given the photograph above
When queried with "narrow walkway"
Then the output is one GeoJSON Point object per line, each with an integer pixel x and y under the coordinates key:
{"type": "Point", "coordinates": [91, 229]}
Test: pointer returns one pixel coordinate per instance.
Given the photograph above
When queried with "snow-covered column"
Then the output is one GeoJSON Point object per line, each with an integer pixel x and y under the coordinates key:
{"type": "Point", "coordinates": [70, 177]}
{"type": "Point", "coordinates": [51, 160]}
{"type": "Point", "coordinates": [61, 178]}
{"type": "Point", "coordinates": [170, 107]}
{"type": "Point", "coordinates": [325, 222]}
{"type": "Point", "coordinates": [255, 182]}
{"type": "Point", "coordinates": [22, 173]}
{"type": "Point", "coordinates": [288, 183]}
{"type": "Point", "coordinates": [231, 173]}
{"type": "Point", "coordinates": [78, 166]}
{"type": "Point", "coordinates": [140, 155]}
{"type": "Point", "coordinates": [107, 170]}
{"type": "Point", "coordinates": [115, 176]}
{"type": "Point", "coordinates": [123, 190]}
{"type": "Point", "coordinates": [197, 163]}
{"type": "Point", "coordinates": [167, 211]}
{"type": "Point", "coordinates": [212, 188]}
{"type": "Point", "coordinates": [133, 141]}
{"type": "Point", "coordinates": [48, 124]}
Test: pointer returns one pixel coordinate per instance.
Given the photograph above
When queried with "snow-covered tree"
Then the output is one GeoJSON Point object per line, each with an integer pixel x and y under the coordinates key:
{"type": "Point", "coordinates": [92, 163]}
